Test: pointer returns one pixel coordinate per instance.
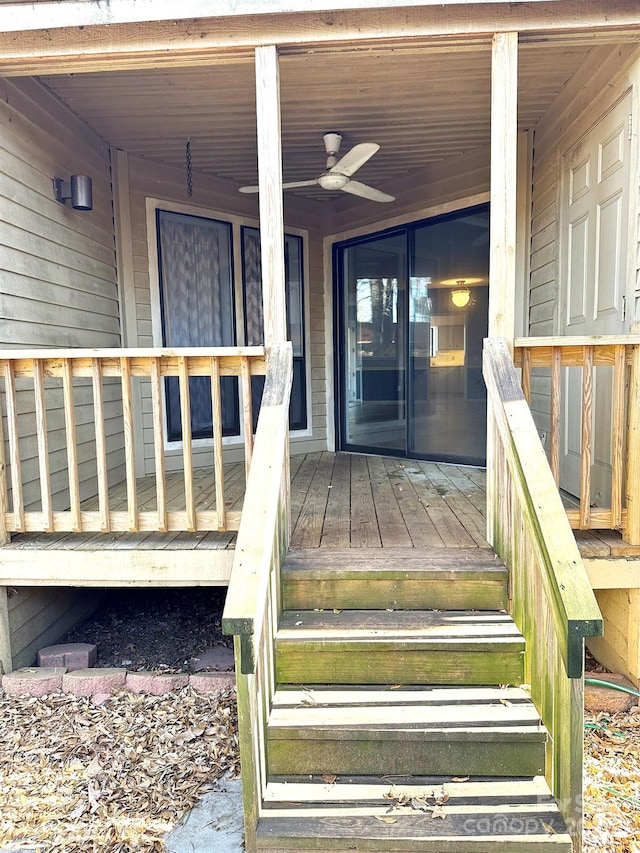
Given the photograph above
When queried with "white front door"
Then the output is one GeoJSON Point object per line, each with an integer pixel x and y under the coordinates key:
{"type": "Point", "coordinates": [595, 207]}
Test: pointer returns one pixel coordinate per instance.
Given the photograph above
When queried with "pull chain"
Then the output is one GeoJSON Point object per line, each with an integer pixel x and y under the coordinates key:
{"type": "Point", "coordinates": [189, 166]}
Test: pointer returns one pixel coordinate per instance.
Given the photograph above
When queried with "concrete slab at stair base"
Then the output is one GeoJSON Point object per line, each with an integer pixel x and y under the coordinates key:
{"type": "Point", "coordinates": [214, 824]}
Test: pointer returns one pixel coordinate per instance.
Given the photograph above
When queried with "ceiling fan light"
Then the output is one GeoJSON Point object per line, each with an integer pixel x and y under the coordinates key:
{"type": "Point", "coordinates": [333, 181]}
{"type": "Point", "coordinates": [460, 295]}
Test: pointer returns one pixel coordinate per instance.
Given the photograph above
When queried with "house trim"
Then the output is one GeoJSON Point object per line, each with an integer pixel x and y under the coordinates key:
{"type": "Point", "coordinates": [80, 46]}
{"type": "Point", "coordinates": [86, 13]}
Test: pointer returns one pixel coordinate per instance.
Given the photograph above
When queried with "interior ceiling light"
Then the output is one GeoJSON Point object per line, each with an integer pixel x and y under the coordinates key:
{"type": "Point", "coordinates": [460, 295]}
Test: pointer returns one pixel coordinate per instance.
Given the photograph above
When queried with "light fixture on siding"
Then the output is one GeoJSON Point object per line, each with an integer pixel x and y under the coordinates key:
{"type": "Point", "coordinates": [460, 295]}
{"type": "Point", "coordinates": [78, 189]}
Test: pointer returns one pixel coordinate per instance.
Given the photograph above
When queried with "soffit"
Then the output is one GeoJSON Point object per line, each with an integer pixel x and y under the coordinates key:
{"type": "Point", "coordinates": [421, 104]}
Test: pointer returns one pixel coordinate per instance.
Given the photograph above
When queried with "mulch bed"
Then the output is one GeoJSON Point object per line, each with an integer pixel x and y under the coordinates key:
{"type": "Point", "coordinates": [154, 629]}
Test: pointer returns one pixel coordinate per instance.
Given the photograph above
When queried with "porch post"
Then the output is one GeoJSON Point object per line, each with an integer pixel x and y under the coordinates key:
{"type": "Point", "coordinates": [270, 183]}
{"type": "Point", "coordinates": [502, 233]}
{"type": "Point", "coordinates": [272, 215]}
{"type": "Point", "coordinates": [504, 147]}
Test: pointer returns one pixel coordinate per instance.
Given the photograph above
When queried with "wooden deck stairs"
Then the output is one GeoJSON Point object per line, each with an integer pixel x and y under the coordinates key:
{"type": "Point", "coordinates": [399, 721]}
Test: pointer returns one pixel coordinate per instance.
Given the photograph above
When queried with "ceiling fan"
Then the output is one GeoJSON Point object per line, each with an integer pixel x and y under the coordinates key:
{"type": "Point", "coordinates": [337, 174]}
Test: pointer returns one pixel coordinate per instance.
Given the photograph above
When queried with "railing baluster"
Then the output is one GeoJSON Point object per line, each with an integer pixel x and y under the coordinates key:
{"type": "Point", "coordinates": [72, 445]}
{"type": "Point", "coordinates": [554, 421]}
{"type": "Point", "coordinates": [158, 444]}
{"type": "Point", "coordinates": [187, 450]}
{"type": "Point", "coordinates": [4, 502]}
{"type": "Point", "coordinates": [526, 374]}
{"type": "Point", "coordinates": [101, 445]}
{"type": "Point", "coordinates": [247, 411]}
{"type": "Point", "coordinates": [586, 443]}
{"type": "Point", "coordinates": [129, 446]}
{"type": "Point", "coordinates": [617, 434]}
{"type": "Point", "coordinates": [218, 461]}
{"type": "Point", "coordinates": [43, 444]}
{"type": "Point", "coordinates": [14, 446]}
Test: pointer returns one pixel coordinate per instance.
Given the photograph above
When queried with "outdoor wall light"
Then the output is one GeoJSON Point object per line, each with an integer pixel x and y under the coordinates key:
{"type": "Point", "coordinates": [460, 295]}
{"type": "Point", "coordinates": [78, 189]}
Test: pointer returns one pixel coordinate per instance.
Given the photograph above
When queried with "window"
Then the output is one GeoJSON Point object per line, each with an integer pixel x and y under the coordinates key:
{"type": "Point", "coordinates": [252, 281]}
{"type": "Point", "coordinates": [196, 303]}
{"type": "Point", "coordinates": [199, 295]}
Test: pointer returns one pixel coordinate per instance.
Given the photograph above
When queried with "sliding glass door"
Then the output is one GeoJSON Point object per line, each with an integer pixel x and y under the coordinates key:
{"type": "Point", "coordinates": [413, 314]}
{"type": "Point", "coordinates": [374, 372]}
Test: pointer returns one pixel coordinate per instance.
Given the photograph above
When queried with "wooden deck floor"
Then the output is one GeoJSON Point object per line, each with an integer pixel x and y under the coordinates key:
{"type": "Point", "coordinates": [353, 501]}
{"type": "Point", "coordinates": [338, 500]}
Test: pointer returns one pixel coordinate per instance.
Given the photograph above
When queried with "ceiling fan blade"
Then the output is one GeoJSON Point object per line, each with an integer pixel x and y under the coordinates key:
{"type": "Point", "coordinates": [362, 190]}
{"type": "Point", "coordinates": [294, 184]}
{"type": "Point", "coordinates": [355, 158]}
{"type": "Point", "coordinates": [290, 186]}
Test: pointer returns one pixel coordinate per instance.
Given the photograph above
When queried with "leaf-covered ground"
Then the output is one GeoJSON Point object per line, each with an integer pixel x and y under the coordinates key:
{"type": "Point", "coordinates": [612, 794]}
{"type": "Point", "coordinates": [114, 777]}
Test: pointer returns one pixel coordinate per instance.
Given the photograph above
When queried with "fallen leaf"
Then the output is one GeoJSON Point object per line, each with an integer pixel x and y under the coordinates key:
{"type": "Point", "coordinates": [329, 778]}
{"type": "Point", "coordinates": [386, 819]}
{"type": "Point", "coordinates": [420, 804]}
{"type": "Point", "coordinates": [460, 779]}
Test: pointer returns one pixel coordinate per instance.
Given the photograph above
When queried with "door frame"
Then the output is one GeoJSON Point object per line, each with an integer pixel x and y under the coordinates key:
{"type": "Point", "coordinates": [329, 287]}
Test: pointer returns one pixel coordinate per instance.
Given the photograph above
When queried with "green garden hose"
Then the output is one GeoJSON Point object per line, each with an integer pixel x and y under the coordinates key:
{"type": "Point", "coordinates": [621, 687]}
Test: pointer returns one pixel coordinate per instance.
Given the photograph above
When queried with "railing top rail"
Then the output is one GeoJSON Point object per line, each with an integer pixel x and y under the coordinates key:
{"type": "Point", "coordinates": [576, 613]}
{"type": "Point", "coordinates": [578, 341]}
{"type": "Point", "coordinates": [137, 352]}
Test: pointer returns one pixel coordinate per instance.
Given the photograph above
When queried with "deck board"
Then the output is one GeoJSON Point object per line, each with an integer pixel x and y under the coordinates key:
{"type": "Point", "coordinates": [365, 532]}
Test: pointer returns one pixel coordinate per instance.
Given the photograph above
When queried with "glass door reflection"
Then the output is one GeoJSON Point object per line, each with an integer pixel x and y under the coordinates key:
{"type": "Point", "coordinates": [448, 320]}
{"type": "Point", "coordinates": [374, 294]}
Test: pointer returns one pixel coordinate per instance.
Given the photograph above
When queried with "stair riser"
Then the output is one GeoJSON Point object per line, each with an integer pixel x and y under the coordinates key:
{"type": "Point", "coordinates": [378, 593]}
{"type": "Point", "coordinates": [390, 757]}
{"type": "Point", "coordinates": [305, 665]}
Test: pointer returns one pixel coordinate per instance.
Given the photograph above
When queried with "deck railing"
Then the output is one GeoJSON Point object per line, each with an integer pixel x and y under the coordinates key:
{"type": "Point", "coordinates": [551, 599]}
{"type": "Point", "coordinates": [252, 605]}
{"type": "Point", "coordinates": [50, 394]}
{"type": "Point", "coordinates": [620, 508]}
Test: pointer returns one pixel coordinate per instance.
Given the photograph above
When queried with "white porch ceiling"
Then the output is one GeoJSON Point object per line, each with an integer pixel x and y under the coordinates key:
{"type": "Point", "coordinates": [420, 103]}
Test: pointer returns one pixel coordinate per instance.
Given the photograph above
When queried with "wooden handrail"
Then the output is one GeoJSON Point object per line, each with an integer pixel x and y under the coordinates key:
{"type": "Point", "coordinates": [252, 605]}
{"type": "Point", "coordinates": [262, 515]}
{"type": "Point", "coordinates": [74, 381]}
{"type": "Point", "coordinates": [551, 598]}
{"type": "Point", "coordinates": [620, 509]}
